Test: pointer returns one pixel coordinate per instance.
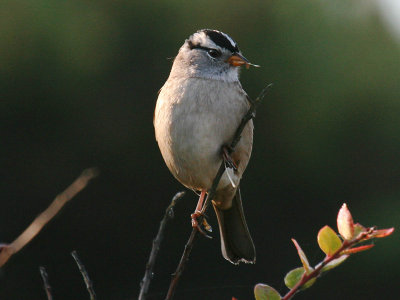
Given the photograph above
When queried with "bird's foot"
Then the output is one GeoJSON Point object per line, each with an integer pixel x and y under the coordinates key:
{"type": "Point", "coordinates": [226, 155]}
{"type": "Point", "coordinates": [195, 223]}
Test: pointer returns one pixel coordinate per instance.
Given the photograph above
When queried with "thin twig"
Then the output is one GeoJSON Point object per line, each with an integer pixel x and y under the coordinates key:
{"type": "Point", "coordinates": [46, 284]}
{"type": "Point", "coordinates": [211, 193]}
{"type": "Point", "coordinates": [6, 251]}
{"type": "Point", "coordinates": [85, 275]}
{"type": "Point", "coordinates": [148, 275]}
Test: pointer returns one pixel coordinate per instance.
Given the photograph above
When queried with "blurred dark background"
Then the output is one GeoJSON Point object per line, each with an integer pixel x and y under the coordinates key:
{"type": "Point", "coordinates": [78, 85]}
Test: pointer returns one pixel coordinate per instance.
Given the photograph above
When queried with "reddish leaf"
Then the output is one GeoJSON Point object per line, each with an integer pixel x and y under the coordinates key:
{"type": "Point", "coordinates": [357, 249]}
{"type": "Point", "coordinates": [302, 256]}
{"type": "Point", "coordinates": [380, 233]}
{"type": "Point", "coordinates": [345, 223]}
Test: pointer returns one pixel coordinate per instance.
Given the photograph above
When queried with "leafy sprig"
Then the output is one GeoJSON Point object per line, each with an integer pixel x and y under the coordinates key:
{"type": "Point", "coordinates": [337, 248]}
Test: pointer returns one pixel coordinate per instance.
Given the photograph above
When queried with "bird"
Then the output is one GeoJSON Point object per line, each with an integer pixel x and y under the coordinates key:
{"type": "Point", "coordinates": [197, 112]}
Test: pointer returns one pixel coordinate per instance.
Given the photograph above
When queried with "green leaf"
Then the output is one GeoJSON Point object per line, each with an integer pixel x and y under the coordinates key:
{"type": "Point", "coordinates": [265, 292]}
{"type": "Point", "coordinates": [308, 284]}
{"type": "Point", "coordinates": [294, 276]}
{"type": "Point", "coordinates": [328, 240]}
{"type": "Point", "coordinates": [334, 263]}
{"type": "Point", "coordinates": [302, 256]}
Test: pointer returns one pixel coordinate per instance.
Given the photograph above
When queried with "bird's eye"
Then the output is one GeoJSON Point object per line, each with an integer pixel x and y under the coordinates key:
{"type": "Point", "coordinates": [214, 53]}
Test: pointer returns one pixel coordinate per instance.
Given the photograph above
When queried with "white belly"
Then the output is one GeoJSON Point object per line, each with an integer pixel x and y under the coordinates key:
{"type": "Point", "coordinates": [192, 122]}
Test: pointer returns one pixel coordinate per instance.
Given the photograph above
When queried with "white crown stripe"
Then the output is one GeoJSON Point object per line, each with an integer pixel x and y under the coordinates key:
{"type": "Point", "coordinates": [229, 39]}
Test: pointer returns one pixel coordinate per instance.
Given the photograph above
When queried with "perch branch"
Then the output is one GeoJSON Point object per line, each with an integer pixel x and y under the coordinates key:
{"type": "Point", "coordinates": [6, 251]}
{"type": "Point", "coordinates": [211, 192]}
{"type": "Point", "coordinates": [148, 275]}
{"type": "Point", "coordinates": [46, 284]}
{"type": "Point", "coordinates": [85, 275]}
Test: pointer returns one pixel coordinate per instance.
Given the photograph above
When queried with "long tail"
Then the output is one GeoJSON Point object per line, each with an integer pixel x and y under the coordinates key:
{"type": "Point", "coordinates": [236, 243]}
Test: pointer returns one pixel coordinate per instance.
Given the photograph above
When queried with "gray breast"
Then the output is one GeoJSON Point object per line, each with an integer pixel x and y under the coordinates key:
{"type": "Point", "coordinates": [200, 115]}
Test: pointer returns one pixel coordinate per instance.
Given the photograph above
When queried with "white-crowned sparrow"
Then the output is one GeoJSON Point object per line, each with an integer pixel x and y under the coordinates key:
{"type": "Point", "coordinates": [197, 113]}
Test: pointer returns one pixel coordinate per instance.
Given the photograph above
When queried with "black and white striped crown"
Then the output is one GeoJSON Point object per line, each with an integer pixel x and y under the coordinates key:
{"type": "Point", "coordinates": [219, 38]}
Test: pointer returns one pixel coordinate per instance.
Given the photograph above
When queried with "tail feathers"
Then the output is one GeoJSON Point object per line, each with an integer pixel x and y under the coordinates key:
{"type": "Point", "coordinates": [236, 243]}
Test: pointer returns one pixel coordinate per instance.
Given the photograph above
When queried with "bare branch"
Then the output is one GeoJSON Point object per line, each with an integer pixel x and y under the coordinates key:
{"type": "Point", "coordinates": [85, 275]}
{"type": "Point", "coordinates": [46, 284]}
{"type": "Point", "coordinates": [211, 192]}
{"type": "Point", "coordinates": [6, 251]}
{"type": "Point", "coordinates": [148, 275]}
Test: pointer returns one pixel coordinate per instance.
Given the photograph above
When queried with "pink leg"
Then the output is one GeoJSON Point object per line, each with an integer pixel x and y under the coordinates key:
{"type": "Point", "coordinates": [201, 201]}
{"type": "Point", "coordinates": [197, 211]}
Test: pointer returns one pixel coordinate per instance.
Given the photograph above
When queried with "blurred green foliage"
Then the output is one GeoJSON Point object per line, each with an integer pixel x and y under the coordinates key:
{"type": "Point", "coordinates": [78, 84]}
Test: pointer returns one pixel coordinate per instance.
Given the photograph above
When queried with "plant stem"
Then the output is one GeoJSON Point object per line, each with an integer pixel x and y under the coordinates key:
{"type": "Point", "coordinates": [148, 275]}
{"type": "Point", "coordinates": [85, 275]}
{"type": "Point", "coordinates": [46, 284]}
{"type": "Point", "coordinates": [6, 251]}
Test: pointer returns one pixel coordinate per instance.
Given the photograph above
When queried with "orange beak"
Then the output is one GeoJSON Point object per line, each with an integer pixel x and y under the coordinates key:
{"type": "Point", "coordinates": [238, 60]}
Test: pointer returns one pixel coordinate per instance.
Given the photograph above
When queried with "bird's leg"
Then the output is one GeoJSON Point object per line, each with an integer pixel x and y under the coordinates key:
{"type": "Point", "coordinates": [198, 212]}
{"type": "Point", "coordinates": [226, 155]}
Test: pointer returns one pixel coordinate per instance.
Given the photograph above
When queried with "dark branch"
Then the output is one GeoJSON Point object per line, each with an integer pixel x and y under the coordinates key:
{"type": "Point", "coordinates": [82, 269]}
{"type": "Point", "coordinates": [211, 192]}
{"type": "Point", "coordinates": [46, 284]}
{"type": "Point", "coordinates": [148, 275]}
